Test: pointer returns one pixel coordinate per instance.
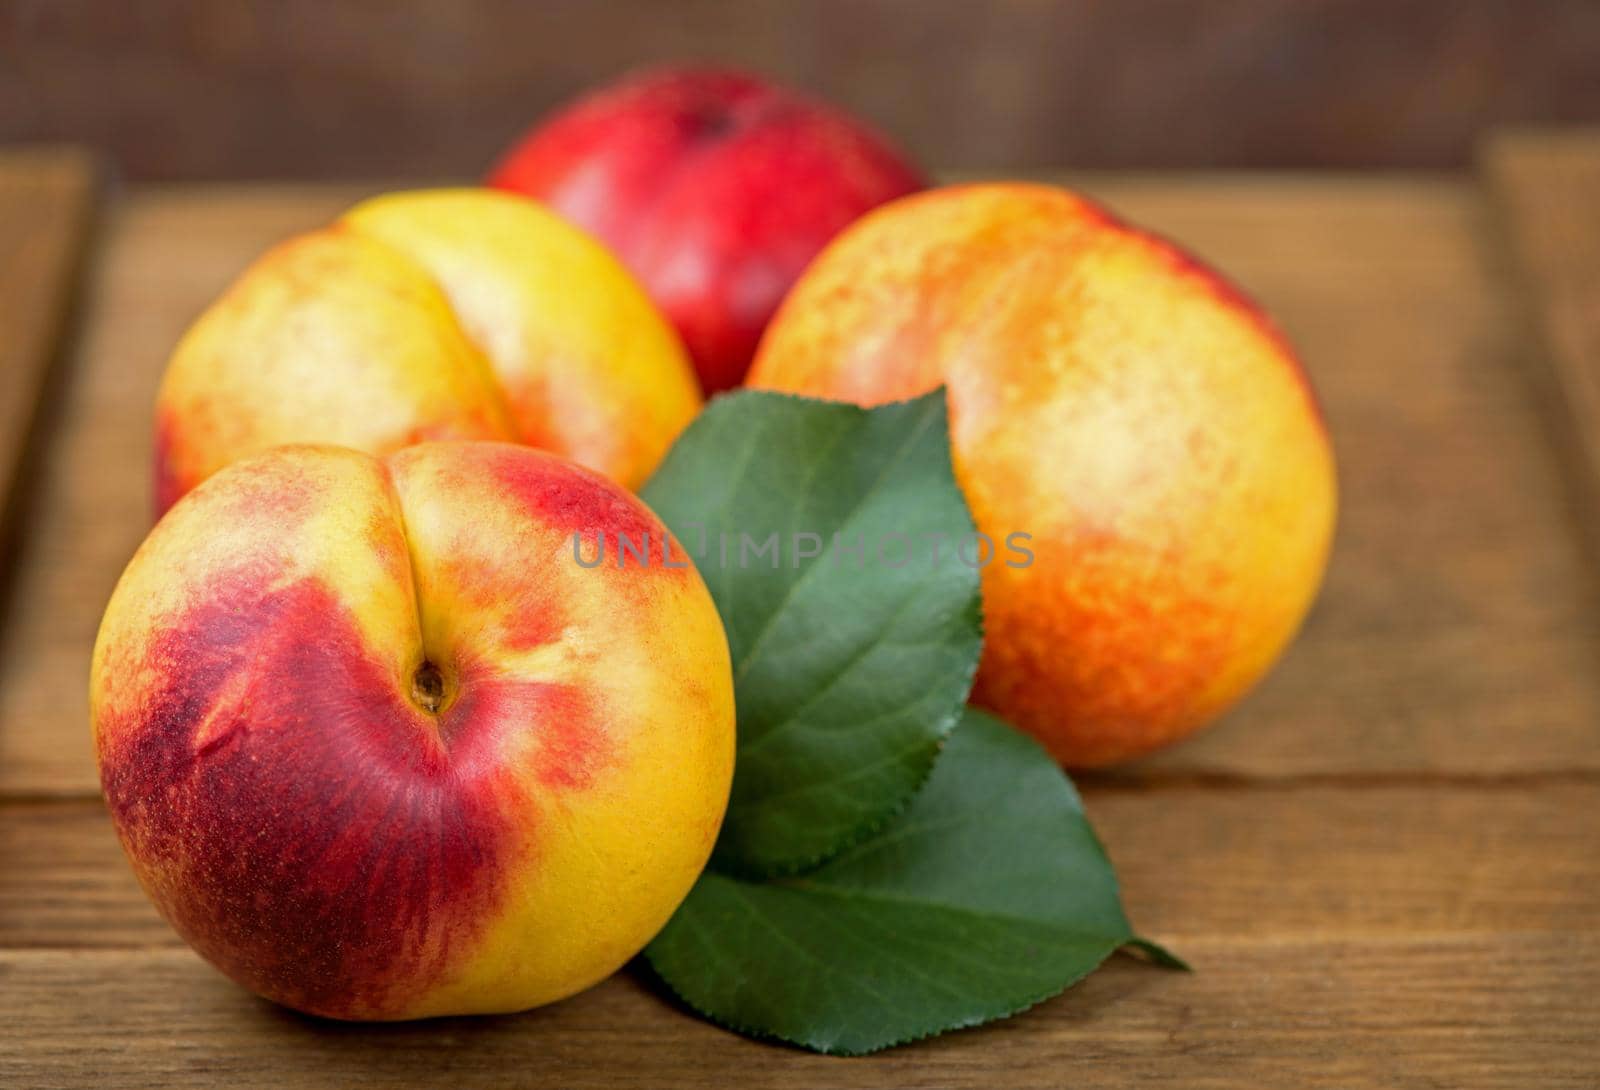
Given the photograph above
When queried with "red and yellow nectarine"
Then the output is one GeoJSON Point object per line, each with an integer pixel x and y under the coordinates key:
{"type": "Point", "coordinates": [378, 747]}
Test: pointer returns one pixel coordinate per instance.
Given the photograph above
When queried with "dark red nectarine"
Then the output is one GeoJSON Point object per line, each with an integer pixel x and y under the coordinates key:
{"type": "Point", "coordinates": [716, 188]}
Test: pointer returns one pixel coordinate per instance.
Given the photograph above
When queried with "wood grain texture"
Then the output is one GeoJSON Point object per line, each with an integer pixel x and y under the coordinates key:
{"type": "Point", "coordinates": [1459, 1010]}
{"type": "Point", "coordinates": [1546, 189]}
{"type": "Point", "coordinates": [46, 197]}
{"type": "Point", "coordinates": [1458, 630]}
{"type": "Point", "coordinates": [1431, 935]}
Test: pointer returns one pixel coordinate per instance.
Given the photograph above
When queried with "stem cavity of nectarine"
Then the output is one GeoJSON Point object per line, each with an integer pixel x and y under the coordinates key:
{"type": "Point", "coordinates": [427, 688]}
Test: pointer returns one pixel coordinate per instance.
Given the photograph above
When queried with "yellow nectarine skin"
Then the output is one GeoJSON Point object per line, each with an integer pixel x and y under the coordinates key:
{"type": "Point", "coordinates": [444, 314]}
{"type": "Point", "coordinates": [380, 748]}
{"type": "Point", "coordinates": [1118, 401]}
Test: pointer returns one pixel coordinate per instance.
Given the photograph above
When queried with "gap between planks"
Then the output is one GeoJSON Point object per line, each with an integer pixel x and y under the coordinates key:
{"type": "Point", "coordinates": [46, 201]}
{"type": "Point", "coordinates": [1543, 184]}
{"type": "Point", "coordinates": [1156, 781]}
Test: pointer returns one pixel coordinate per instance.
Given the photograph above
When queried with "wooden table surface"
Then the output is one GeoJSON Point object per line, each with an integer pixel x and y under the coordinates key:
{"type": "Point", "coordinates": [1384, 866]}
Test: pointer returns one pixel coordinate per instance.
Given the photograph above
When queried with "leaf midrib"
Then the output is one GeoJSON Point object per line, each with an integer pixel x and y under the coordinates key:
{"type": "Point", "coordinates": [806, 885]}
{"type": "Point", "coordinates": [769, 624]}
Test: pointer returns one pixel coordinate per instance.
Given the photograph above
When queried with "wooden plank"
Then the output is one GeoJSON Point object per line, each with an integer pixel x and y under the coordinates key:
{"type": "Point", "coordinates": [46, 197]}
{"type": "Point", "coordinates": [64, 881]}
{"type": "Point", "coordinates": [1545, 184]}
{"type": "Point", "coordinates": [1195, 863]}
{"type": "Point", "coordinates": [1382, 865]}
{"type": "Point", "coordinates": [1344, 935]}
{"type": "Point", "coordinates": [1471, 1009]}
{"type": "Point", "coordinates": [1458, 630]}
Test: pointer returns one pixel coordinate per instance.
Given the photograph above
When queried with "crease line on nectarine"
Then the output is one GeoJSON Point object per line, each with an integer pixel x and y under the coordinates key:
{"type": "Point", "coordinates": [308, 817]}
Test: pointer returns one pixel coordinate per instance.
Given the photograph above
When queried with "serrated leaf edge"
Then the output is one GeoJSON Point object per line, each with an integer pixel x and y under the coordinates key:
{"type": "Point", "coordinates": [859, 835]}
{"type": "Point", "coordinates": [786, 868]}
{"type": "Point", "coordinates": [829, 1050]}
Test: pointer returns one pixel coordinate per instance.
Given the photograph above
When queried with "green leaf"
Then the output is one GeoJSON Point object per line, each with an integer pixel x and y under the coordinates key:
{"type": "Point", "coordinates": [848, 669]}
{"type": "Point", "coordinates": [987, 895]}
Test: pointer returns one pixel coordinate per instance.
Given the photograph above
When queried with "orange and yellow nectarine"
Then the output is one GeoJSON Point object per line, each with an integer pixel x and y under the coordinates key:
{"type": "Point", "coordinates": [447, 314]}
{"type": "Point", "coordinates": [1116, 400]}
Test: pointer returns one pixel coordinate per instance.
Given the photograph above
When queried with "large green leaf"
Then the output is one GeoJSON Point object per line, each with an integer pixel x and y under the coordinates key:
{"type": "Point", "coordinates": [848, 669]}
{"type": "Point", "coordinates": [987, 895]}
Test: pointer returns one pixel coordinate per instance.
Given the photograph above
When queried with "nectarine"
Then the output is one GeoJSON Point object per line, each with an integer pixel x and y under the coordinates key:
{"type": "Point", "coordinates": [378, 747]}
{"type": "Point", "coordinates": [447, 314]}
{"type": "Point", "coordinates": [1114, 399]}
{"type": "Point", "coordinates": [715, 187]}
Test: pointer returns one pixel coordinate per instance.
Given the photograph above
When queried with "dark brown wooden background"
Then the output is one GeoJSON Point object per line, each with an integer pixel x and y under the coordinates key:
{"type": "Point", "coordinates": [410, 89]}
